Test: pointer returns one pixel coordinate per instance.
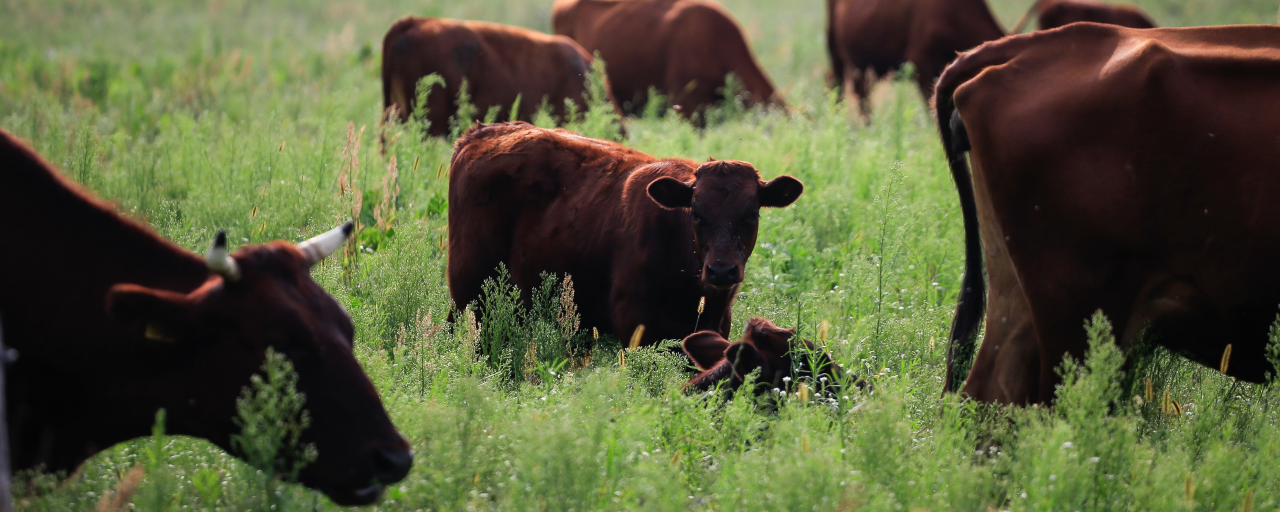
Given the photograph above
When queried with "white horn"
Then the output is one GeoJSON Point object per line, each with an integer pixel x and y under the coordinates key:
{"type": "Point", "coordinates": [218, 259]}
{"type": "Point", "coordinates": [321, 246]}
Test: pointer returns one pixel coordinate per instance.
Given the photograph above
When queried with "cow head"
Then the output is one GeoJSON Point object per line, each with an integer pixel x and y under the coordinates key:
{"type": "Point", "coordinates": [724, 199]}
{"type": "Point", "coordinates": [263, 296]}
{"type": "Point", "coordinates": [765, 347]}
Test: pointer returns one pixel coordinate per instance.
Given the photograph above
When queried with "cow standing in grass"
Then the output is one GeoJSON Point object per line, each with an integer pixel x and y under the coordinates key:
{"type": "Point", "coordinates": [644, 239]}
{"type": "Point", "coordinates": [682, 48]}
{"type": "Point", "coordinates": [111, 323]}
{"type": "Point", "coordinates": [1132, 171]}
{"type": "Point", "coordinates": [499, 63]}
{"type": "Point", "coordinates": [868, 39]}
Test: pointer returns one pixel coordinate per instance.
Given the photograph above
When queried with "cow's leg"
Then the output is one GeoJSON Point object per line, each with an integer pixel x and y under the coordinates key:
{"type": "Point", "coordinates": [1008, 367]}
{"type": "Point", "coordinates": [837, 65]}
{"type": "Point", "coordinates": [863, 80]}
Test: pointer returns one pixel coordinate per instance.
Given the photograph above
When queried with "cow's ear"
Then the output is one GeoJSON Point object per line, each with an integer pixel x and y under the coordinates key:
{"type": "Point", "coordinates": [744, 358]}
{"type": "Point", "coordinates": [769, 337]}
{"type": "Point", "coordinates": [780, 192]}
{"type": "Point", "coordinates": [705, 348]}
{"type": "Point", "coordinates": [671, 193]}
{"type": "Point", "coordinates": [157, 315]}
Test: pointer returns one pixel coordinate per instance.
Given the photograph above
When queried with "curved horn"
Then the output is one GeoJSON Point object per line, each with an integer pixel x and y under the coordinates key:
{"type": "Point", "coordinates": [218, 259]}
{"type": "Point", "coordinates": [321, 246]}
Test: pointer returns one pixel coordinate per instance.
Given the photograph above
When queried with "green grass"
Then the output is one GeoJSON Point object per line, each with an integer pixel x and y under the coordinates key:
{"type": "Point", "coordinates": [246, 115]}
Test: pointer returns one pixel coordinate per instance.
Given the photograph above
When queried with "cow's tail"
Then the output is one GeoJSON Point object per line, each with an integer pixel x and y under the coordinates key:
{"type": "Point", "coordinates": [972, 296]}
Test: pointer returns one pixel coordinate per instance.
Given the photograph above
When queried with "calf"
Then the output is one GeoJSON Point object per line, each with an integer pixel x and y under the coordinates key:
{"type": "Point", "coordinates": [112, 323]}
{"type": "Point", "coordinates": [499, 63]}
{"type": "Point", "coordinates": [646, 240]}
{"type": "Point", "coordinates": [765, 347]}
{"type": "Point", "coordinates": [682, 48]}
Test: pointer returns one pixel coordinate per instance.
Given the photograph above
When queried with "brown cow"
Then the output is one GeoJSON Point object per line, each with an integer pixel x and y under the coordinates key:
{"type": "Point", "coordinates": [644, 239]}
{"type": "Point", "coordinates": [499, 63]}
{"type": "Point", "coordinates": [867, 39]}
{"type": "Point", "coordinates": [765, 347]}
{"type": "Point", "coordinates": [683, 48]}
{"type": "Point", "coordinates": [1126, 170]}
{"type": "Point", "coordinates": [1056, 13]}
{"type": "Point", "coordinates": [112, 323]}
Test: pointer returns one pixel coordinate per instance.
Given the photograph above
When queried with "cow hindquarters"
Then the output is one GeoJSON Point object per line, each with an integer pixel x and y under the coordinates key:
{"type": "Point", "coordinates": [1008, 367]}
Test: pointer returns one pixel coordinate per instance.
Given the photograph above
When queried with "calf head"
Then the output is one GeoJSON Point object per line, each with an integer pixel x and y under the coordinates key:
{"type": "Point", "coordinates": [724, 199]}
{"type": "Point", "coordinates": [765, 347]}
{"type": "Point", "coordinates": [263, 296]}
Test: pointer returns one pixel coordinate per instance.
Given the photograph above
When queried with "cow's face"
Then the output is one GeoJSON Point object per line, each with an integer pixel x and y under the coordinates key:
{"type": "Point", "coordinates": [263, 296]}
{"type": "Point", "coordinates": [725, 200]}
{"type": "Point", "coordinates": [765, 347]}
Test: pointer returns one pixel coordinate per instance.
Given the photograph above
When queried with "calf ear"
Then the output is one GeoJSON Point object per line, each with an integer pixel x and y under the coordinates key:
{"type": "Point", "coordinates": [769, 337]}
{"type": "Point", "coordinates": [157, 315]}
{"type": "Point", "coordinates": [671, 193]}
{"type": "Point", "coordinates": [705, 348]}
{"type": "Point", "coordinates": [780, 192]}
{"type": "Point", "coordinates": [744, 358]}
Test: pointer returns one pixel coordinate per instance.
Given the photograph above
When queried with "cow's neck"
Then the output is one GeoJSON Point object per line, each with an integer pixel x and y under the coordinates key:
{"type": "Point", "coordinates": [71, 250]}
{"type": "Point", "coordinates": [68, 250]}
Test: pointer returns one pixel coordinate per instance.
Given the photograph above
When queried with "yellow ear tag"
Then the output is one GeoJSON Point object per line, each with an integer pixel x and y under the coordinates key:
{"type": "Point", "coordinates": [155, 334]}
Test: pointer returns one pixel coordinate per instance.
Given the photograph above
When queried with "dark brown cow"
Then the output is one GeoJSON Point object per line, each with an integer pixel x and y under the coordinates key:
{"type": "Point", "coordinates": [644, 239]}
{"type": "Point", "coordinates": [1126, 170]}
{"type": "Point", "coordinates": [499, 63]}
{"type": "Point", "coordinates": [112, 323]}
{"type": "Point", "coordinates": [765, 347]}
{"type": "Point", "coordinates": [1056, 13]}
{"type": "Point", "coordinates": [683, 48]}
{"type": "Point", "coordinates": [867, 39]}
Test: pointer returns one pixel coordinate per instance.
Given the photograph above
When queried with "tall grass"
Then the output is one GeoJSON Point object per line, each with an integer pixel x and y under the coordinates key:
{"type": "Point", "coordinates": [261, 117]}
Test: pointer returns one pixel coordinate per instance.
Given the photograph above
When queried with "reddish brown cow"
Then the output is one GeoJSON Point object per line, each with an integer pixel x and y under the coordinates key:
{"type": "Point", "coordinates": [1131, 171]}
{"type": "Point", "coordinates": [765, 347]}
{"type": "Point", "coordinates": [112, 323]}
{"type": "Point", "coordinates": [1056, 13]}
{"type": "Point", "coordinates": [867, 39]}
{"type": "Point", "coordinates": [644, 239]}
{"type": "Point", "coordinates": [499, 63]}
{"type": "Point", "coordinates": [683, 48]}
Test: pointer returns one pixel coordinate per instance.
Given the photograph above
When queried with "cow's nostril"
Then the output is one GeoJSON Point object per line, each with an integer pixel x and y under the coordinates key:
{"type": "Point", "coordinates": [722, 274]}
{"type": "Point", "coordinates": [392, 465]}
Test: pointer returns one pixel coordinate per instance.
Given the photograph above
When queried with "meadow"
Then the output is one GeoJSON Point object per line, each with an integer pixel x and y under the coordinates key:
{"type": "Point", "coordinates": [262, 117]}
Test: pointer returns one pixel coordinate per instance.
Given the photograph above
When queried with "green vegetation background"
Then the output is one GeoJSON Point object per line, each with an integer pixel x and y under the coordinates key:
{"type": "Point", "coordinates": [247, 115]}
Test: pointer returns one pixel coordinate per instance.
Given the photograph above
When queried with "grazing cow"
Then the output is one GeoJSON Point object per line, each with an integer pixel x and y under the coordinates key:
{"type": "Point", "coordinates": [867, 39]}
{"type": "Point", "coordinates": [1126, 170]}
{"type": "Point", "coordinates": [499, 63]}
{"type": "Point", "coordinates": [644, 239]}
{"type": "Point", "coordinates": [765, 347]}
{"type": "Point", "coordinates": [112, 323]}
{"type": "Point", "coordinates": [1056, 13]}
{"type": "Point", "coordinates": [682, 48]}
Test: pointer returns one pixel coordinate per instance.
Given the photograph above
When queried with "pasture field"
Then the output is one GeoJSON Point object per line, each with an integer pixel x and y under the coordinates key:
{"type": "Point", "coordinates": [262, 117]}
